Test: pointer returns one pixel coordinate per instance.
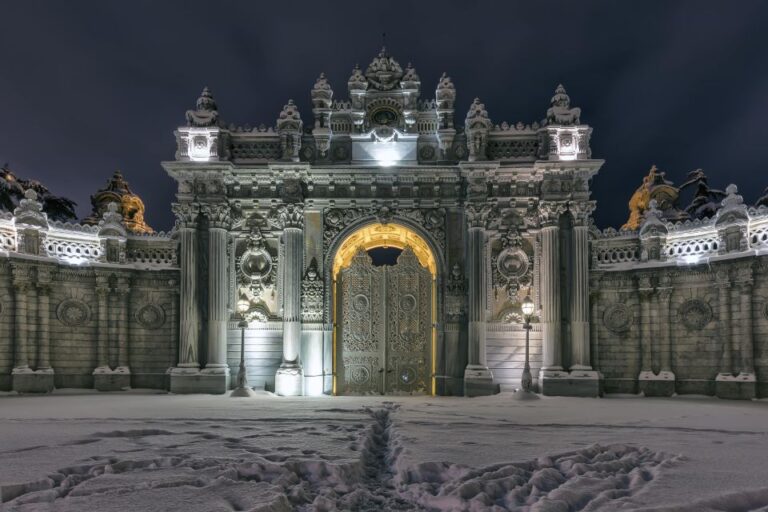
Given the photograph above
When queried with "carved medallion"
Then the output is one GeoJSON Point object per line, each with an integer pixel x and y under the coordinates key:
{"type": "Point", "coordinates": [427, 152]}
{"type": "Point", "coordinates": [407, 303]}
{"type": "Point", "coordinates": [617, 318]}
{"type": "Point", "coordinates": [150, 316]}
{"type": "Point", "coordinates": [73, 312]}
{"type": "Point", "coordinates": [407, 375]}
{"type": "Point", "coordinates": [360, 303]}
{"type": "Point", "coordinates": [256, 264]}
{"type": "Point", "coordinates": [512, 263]}
{"type": "Point", "coordinates": [359, 374]}
{"type": "Point", "coordinates": [695, 314]}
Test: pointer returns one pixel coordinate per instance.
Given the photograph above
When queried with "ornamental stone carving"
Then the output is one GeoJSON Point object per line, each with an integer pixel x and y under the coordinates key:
{"type": "Point", "coordinates": [186, 214]}
{"type": "Point", "coordinates": [256, 266]}
{"type": "Point", "coordinates": [288, 216]}
{"type": "Point", "coordinates": [150, 316]}
{"type": "Point", "coordinates": [312, 294]}
{"type": "Point", "coordinates": [218, 215]}
{"type": "Point", "coordinates": [617, 318]}
{"type": "Point", "coordinates": [73, 312]}
{"type": "Point", "coordinates": [695, 314]}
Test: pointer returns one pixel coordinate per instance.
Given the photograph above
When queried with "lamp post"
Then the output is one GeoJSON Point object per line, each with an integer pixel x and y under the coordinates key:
{"type": "Point", "coordinates": [242, 389]}
{"type": "Point", "coordinates": [526, 382]}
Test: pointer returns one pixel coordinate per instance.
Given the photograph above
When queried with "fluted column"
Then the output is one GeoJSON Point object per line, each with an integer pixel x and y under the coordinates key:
{"type": "Point", "coordinates": [44, 317]}
{"type": "Point", "coordinates": [218, 287]}
{"type": "Point", "coordinates": [724, 306]}
{"type": "Point", "coordinates": [289, 377]}
{"type": "Point", "coordinates": [747, 361]}
{"type": "Point", "coordinates": [551, 315]}
{"type": "Point", "coordinates": [579, 307]}
{"type": "Point", "coordinates": [123, 290]}
{"type": "Point", "coordinates": [21, 361]}
{"type": "Point", "coordinates": [102, 348]}
{"type": "Point", "coordinates": [189, 321]}
{"type": "Point", "coordinates": [645, 293]}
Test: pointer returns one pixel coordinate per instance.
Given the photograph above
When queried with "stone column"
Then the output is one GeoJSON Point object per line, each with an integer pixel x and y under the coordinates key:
{"type": "Point", "coordinates": [44, 370]}
{"type": "Point", "coordinates": [724, 306]}
{"type": "Point", "coordinates": [656, 304]}
{"type": "Point", "coordinates": [645, 293]}
{"type": "Point", "coordinates": [186, 378]}
{"type": "Point", "coordinates": [551, 315]}
{"type": "Point", "coordinates": [478, 379]}
{"type": "Point", "coordinates": [579, 310]}
{"type": "Point", "coordinates": [747, 362]}
{"type": "Point", "coordinates": [21, 360]}
{"type": "Point", "coordinates": [289, 377]}
{"type": "Point", "coordinates": [665, 326]}
{"type": "Point", "coordinates": [102, 348]}
{"type": "Point", "coordinates": [122, 374]}
{"type": "Point", "coordinates": [218, 292]}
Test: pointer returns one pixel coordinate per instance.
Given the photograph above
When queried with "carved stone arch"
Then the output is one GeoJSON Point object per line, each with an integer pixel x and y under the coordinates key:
{"type": "Point", "coordinates": [346, 231]}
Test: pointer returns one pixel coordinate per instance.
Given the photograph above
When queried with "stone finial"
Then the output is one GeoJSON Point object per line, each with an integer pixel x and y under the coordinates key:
{"type": "Point", "coordinates": [30, 210]}
{"type": "Point", "coordinates": [477, 126]}
{"type": "Point", "coordinates": [357, 81]}
{"type": "Point", "coordinates": [384, 72]}
{"type": "Point", "coordinates": [732, 198]}
{"type": "Point", "coordinates": [410, 78]}
{"type": "Point", "coordinates": [322, 94]}
{"type": "Point", "coordinates": [289, 126]}
{"type": "Point", "coordinates": [445, 94]}
{"type": "Point", "coordinates": [560, 111]}
{"type": "Point", "coordinates": [30, 194]}
{"type": "Point", "coordinates": [206, 112]}
{"type": "Point", "coordinates": [289, 118]}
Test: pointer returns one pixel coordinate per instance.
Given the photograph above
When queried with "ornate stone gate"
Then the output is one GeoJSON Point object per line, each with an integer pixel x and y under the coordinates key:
{"type": "Point", "coordinates": [385, 327]}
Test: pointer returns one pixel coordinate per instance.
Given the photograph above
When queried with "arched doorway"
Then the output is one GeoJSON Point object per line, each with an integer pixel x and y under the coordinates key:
{"type": "Point", "coordinates": [384, 312]}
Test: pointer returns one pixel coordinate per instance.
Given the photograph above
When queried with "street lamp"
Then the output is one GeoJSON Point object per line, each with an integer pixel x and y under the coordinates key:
{"type": "Point", "coordinates": [526, 382]}
{"type": "Point", "coordinates": [242, 389]}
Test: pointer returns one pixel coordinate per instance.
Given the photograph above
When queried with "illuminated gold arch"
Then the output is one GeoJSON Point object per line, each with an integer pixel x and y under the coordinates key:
{"type": "Point", "coordinates": [384, 235]}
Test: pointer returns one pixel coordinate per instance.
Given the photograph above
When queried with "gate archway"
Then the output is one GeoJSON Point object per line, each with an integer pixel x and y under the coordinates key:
{"type": "Point", "coordinates": [384, 318]}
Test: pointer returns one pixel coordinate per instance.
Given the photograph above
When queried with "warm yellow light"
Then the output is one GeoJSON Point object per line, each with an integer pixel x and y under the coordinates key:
{"type": "Point", "coordinates": [243, 306]}
{"type": "Point", "coordinates": [527, 306]}
{"type": "Point", "coordinates": [384, 235]}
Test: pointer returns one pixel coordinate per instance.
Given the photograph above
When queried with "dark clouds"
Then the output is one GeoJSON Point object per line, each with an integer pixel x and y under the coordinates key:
{"type": "Point", "coordinates": [90, 87]}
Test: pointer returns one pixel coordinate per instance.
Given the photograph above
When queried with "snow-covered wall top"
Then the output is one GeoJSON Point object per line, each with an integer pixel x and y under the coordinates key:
{"type": "Point", "coordinates": [735, 231]}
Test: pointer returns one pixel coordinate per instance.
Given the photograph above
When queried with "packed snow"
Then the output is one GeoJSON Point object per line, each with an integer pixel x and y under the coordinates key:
{"type": "Point", "coordinates": [144, 451]}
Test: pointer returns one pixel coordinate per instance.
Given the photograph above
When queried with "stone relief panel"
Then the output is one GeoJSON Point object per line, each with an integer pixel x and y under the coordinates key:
{"type": "Point", "coordinates": [695, 314]}
{"type": "Point", "coordinates": [512, 275]}
{"type": "Point", "coordinates": [150, 316]}
{"type": "Point", "coordinates": [617, 318]}
{"type": "Point", "coordinates": [312, 294]}
{"type": "Point", "coordinates": [256, 268]}
{"type": "Point", "coordinates": [73, 312]}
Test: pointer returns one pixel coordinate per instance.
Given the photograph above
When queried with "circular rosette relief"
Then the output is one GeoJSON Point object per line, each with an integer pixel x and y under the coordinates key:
{"type": "Point", "coordinates": [360, 303]}
{"type": "Point", "coordinates": [73, 313]}
{"type": "Point", "coordinates": [407, 375]}
{"type": "Point", "coordinates": [617, 318]}
{"type": "Point", "coordinates": [150, 316]}
{"type": "Point", "coordinates": [407, 303]}
{"type": "Point", "coordinates": [695, 314]}
{"type": "Point", "coordinates": [359, 374]}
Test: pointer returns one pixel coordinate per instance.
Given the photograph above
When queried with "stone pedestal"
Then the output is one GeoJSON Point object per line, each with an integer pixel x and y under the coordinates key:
{"type": "Point", "coordinates": [289, 381]}
{"type": "Point", "coordinates": [740, 387]}
{"type": "Point", "coordinates": [26, 380]}
{"type": "Point", "coordinates": [661, 384]}
{"type": "Point", "coordinates": [478, 381]}
{"type": "Point", "coordinates": [585, 383]}
{"type": "Point", "coordinates": [193, 380]}
{"type": "Point", "coordinates": [118, 379]}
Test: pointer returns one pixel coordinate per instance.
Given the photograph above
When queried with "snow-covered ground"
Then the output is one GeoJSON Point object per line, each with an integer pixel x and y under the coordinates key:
{"type": "Point", "coordinates": [143, 452]}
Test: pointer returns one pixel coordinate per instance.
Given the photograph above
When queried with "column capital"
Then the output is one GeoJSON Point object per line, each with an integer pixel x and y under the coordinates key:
{"type": "Point", "coordinates": [479, 215]}
{"type": "Point", "coordinates": [186, 214]}
{"type": "Point", "coordinates": [550, 212]}
{"type": "Point", "coordinates": [288, 216]}
{"type": "Point", "coordinates": [581, 211]}
{"type": "Point", "coordinates": [218, 215]}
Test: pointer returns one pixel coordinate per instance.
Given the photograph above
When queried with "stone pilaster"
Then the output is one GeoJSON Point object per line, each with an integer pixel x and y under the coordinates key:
{"type": "Point", "coordinates": [20, 285]}
{"type": "Point", "coordinates": [658, 345]}
{"type": "Point", "coordinates": [44, 374]}
{"type": "Point", "coordinates": [186, 377]}
{"type": "Point", "coordinates": [744, 384]}
{"type": "Point", "coordinates": [478, 379]}
{"type": "Point", "coordinates": [102, 347]}
{"type": "Point", "coordinates": [218, 288]}
{"type": "Point", "coordinates": [289, 377]}
{"type": "Point", "coordinates": [25, 379]}
{"type": "Point", "coordinates": [579, 307]}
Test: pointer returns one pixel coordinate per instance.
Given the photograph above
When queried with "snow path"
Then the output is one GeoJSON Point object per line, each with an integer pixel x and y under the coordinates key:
{"type": "Point", "coordinates": [215, 454]}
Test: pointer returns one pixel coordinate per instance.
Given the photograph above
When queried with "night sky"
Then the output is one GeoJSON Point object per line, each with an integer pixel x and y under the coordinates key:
{"type": "Point", "coordinates": [91, 87]}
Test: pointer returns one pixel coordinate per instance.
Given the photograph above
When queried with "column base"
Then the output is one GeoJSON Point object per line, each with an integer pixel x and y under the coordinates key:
{"type": "Point", "coordinates": [652, 384]}
{"type": "Point", "coordinates": [194, 380]}
{"type": "Point", "coordinates": [741, 387]}
{"type": "Point", "coordinates": [245, 392]}
{"type": "Point", "coordinates": [105, 379]}
{"type": "Point", "coordinates": [478, 381]}
{"type": "Point", "coordinates": [26, 380]}
{"type": "Point", "coordinates": [586, 383]}
{"type": "Point", "coordinates": [289, 381]}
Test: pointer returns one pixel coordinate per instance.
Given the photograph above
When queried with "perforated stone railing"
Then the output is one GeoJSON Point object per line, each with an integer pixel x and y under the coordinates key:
{"type": "Point", "coordinates": [685, 243]}
{"type": "Point", "coordinates": [154, 251]}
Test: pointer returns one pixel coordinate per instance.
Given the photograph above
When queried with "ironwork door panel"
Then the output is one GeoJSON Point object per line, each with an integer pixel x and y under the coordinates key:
{"type": "Point", "coordinates": [360, 360]}
{"type": "Point", "coordinates": [409, 326]}
{"type": "Point", "coordinates": [385, 328]}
